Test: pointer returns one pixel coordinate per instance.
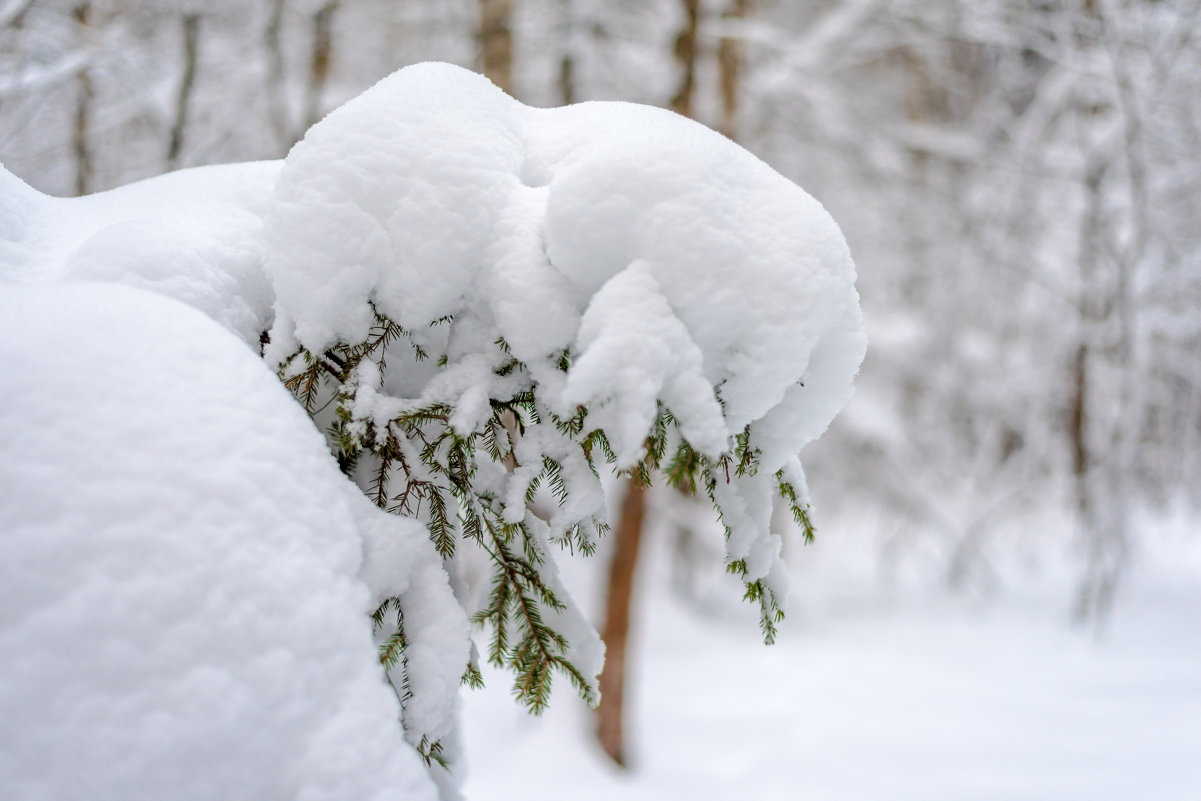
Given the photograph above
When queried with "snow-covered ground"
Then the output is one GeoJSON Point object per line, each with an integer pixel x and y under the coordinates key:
{"type": "Point", "coordinates": [873, 694]}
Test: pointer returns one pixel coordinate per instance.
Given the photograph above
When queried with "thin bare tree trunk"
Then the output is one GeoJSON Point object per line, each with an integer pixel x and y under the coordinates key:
{"type": "Point", "coordinates": [319, 64]}
{"type": "Point", "coordinates": [686, 56]}
{"type": "Point", "coordinates": [83, 111]}
{"type": "Point", "coordinates": [496, 42]}
{"type": "Point", "coordinates": [1100, 488]}
{"type": "Point", "coordinates": [277, 89]}
{"type": "Point", "coordinates": [615, 633]}
{"type": "Point", "coordinates": [191, 44]}
{"type": "Point", "coordinates": [1078, 428]}
{"type": "Point", "coordinates": [1102, 477]}
{"type": "Point", "coordinates": [729, 63]}
{"type": "Point", "coordinates": [567, 36]}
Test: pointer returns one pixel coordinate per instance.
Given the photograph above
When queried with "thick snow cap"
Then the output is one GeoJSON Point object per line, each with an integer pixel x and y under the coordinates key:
{"type": "Point", "coordinates": [671, 264]}
{"type": "Point", "coordinates": [180, 609]}
{"type": "Point", "coordinates": [194, 235]}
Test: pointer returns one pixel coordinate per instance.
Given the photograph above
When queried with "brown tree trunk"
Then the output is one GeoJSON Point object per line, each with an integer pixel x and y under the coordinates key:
{"type": "Point", "coordinates": [83, 112]}
{"type": "Point", "coordinates": [686, 55]}
{"type": "Point", "coordinates": [1100, 496]}
{"type": "Point", "coordinates": [277, 90]}
{"type": "Point", "coordinates": [616, 629]}
{"type": "Point", "coordinates": [496, 42]}
{"type": "Point", "coordinates": [191, 44]}
{"type": "Point", "coordinates": [322, 57]}
{"type": "Point", "coordinates": [567, 92]}
{"type": "Point", "coordinates": [729, 62]}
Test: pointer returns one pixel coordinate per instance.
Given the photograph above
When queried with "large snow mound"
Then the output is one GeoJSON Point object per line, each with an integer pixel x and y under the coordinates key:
{"type": "Point", "coordinates": [180, 612]}
{"type": "Point", "coordinates": [671, 264]}
{"type": "Point", "coordinates": [193, 235]}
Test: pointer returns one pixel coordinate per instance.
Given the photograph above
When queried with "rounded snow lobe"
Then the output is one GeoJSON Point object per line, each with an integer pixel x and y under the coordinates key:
{"type": "Point", "coordinates": [180, 613]}
{"type": "Point", "coordinates": [673, 265]}
{"type": "Point", "coordinates": [194, 235]}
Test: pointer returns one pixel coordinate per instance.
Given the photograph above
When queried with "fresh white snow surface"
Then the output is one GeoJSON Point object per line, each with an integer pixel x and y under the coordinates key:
{"type": "Point", "coordinates": [876, 691]}
{"type": "Point", "coordinates": [193, 235]}
{"type": "Point", "coordinates": [180, 612]}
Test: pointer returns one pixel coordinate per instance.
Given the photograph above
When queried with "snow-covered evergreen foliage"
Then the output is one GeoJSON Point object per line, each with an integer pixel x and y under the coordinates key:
{"type": "Point", "coordinates": [527, 297]}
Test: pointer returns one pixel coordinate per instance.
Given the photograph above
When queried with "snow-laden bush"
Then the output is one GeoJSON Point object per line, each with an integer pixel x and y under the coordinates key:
{"type": "Point", "coordinates": [505, 299]}
{"type": "Point", "coordinates": [487, 307]}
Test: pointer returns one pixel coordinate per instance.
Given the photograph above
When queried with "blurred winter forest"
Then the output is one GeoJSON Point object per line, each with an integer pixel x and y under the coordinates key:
{"type": "Point", "coordinates": [1019, 180]}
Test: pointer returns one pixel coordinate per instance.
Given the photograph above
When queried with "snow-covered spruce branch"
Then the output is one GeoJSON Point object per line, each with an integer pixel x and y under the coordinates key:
{"type": "Point", "coordinates": [417, 465]}
{"type": "Point", "coordinates": [490, 309]}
